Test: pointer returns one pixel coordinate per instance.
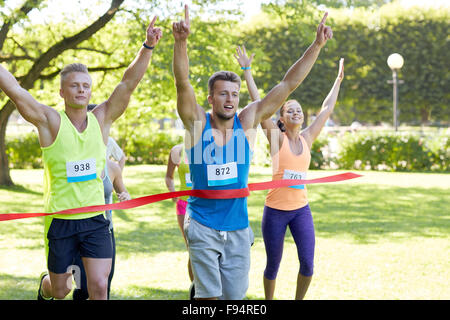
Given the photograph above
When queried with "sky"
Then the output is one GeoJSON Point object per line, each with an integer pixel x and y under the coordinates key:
{"type": "Point", "coordinates": [249, 7]}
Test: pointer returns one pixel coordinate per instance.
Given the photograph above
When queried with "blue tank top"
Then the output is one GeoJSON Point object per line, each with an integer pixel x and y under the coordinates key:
{"type": "Point", "coordinates": [220, 168]}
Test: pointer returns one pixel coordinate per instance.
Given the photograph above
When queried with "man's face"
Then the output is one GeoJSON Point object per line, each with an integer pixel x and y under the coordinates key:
{"type": "Point", "coordinates": [225, 99]}
{"type": "Point", "coordinates": [76, 89]}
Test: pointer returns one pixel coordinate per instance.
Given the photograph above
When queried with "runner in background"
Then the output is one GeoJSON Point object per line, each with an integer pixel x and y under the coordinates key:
{"type": "Point", "coordinates": [178, 159]}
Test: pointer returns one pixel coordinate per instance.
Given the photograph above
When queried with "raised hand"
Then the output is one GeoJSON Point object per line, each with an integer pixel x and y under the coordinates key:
{"type": "Point", "coordinates": [340, 76]}
{"type": "Point", "coordinates": [324, 33]}
{"type": "Point", "coordinates": [182, 29]}
{"type": "Point", "coordinates": [242, 58]}
{"type": "Point", "coordinates": [153, 34]}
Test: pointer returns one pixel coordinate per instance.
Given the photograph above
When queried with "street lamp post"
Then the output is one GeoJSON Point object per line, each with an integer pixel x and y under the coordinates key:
{"type": "Point", "coordinates": [395, 62]}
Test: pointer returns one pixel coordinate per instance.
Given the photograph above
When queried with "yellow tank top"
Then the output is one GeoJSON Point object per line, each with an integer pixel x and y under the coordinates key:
{"type": "Point", "coordinates": [184, 174]}
{"type": "Point", "coordinates": [73, 164]}
{"type": "Point", "coordinates": [286, 165]}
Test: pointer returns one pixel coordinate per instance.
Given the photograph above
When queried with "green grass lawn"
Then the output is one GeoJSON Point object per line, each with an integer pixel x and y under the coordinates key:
{"type": "Point", "coordinates": [382, 236]}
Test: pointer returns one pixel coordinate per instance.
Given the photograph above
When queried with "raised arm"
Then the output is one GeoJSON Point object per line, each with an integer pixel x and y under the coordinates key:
{"type": "Point", "coordinates": [187, 106]}
{"type": "Point", "coordinates": [46, 119]}
{"type": "Point", "coordinates": [294, 76]}
{"type": "Point", "coordinates": [116, 104]}
{"type": "Point", "coordinates": [246, 62]}
{"type": "Point", "coordinates": [311, 132]}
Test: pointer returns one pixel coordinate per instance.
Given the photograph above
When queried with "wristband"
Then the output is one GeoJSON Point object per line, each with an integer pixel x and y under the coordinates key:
{"type": "Point", "coordinates": [245, 68]}
{"type": "Point", "coordinates": [147, 47]}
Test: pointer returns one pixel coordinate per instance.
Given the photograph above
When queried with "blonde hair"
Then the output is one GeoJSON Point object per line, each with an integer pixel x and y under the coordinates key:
{"type": "Point", "coordinates": [73, 67]}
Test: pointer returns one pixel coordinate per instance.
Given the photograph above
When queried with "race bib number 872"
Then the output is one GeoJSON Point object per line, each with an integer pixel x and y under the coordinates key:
{"type": "Point", "coordinates": [82, 170]}
{"type": "Point", "coordinates": [222, 174]}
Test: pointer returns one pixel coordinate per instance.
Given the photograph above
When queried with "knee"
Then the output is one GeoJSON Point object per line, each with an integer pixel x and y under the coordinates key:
{"type": "Point", "coordinates": [306, 268]}
{"type": "Point", "coordinates": [270, 273]}
{"type": "Point", "coordinates": [98, 288]}
{"type": "Point", "coordinates": [60, 292]}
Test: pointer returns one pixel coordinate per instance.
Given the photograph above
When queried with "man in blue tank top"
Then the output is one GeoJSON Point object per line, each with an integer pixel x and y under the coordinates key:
{"type": "Point", "coordinates": [219, 148]}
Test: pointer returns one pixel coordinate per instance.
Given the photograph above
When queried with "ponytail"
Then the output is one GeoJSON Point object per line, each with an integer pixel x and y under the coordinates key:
{"type": "Point", "coordinates": [281, 125]}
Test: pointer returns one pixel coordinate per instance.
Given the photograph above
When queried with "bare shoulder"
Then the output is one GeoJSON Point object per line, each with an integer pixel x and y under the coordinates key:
{"type": "Point", "coordinates": [247, 116]}
{"type": "Point", "coordinates": [100, 111]}
{"type": "Point", "coordinates": [175, 153]}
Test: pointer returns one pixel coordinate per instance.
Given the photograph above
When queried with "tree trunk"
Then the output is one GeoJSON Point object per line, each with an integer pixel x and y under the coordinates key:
{"type": "Point", "coordinates": [5, 112]}
{"type": "Point", "coordinates": [424, 115]}
{"type": "Point", "coordinates": [34, 74]}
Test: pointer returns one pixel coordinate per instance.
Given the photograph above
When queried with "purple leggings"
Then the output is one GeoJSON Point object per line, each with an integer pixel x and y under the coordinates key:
{"type": "Point", "coordinates": [274, 224]}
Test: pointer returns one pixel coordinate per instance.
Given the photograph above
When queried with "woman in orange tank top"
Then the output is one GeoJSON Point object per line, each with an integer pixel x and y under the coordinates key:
{"type": "Point", "coordinates": [290, 151]}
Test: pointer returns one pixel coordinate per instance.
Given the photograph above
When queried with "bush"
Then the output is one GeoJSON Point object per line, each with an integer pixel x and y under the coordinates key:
{"type": "Point", "coordinates": [360, 150]}
{"type": "Point", "coordinates": [318, 160]}
{"type": "Point", "coordinates": [390, 151]}
{"type": "Point", "coordinates": [149, 148]}
{"type": "Point", "coordinates": [24, 152]}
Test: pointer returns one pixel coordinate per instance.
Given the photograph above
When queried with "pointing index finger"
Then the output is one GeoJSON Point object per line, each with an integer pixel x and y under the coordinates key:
{"type": "Point", "coordinates": [186, 13]}
{"type": "Point", "coordinates": [152, 24]}
{"type": "Point", "coordinates": [324, 18]}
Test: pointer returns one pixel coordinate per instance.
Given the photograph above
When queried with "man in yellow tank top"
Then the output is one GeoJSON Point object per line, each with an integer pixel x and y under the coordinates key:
{"type": "Point", "coordinates": [73, 143]}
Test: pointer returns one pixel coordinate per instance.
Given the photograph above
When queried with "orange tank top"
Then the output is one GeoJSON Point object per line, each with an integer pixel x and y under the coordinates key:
{"type": "Point", "coordinates": [286, 165]}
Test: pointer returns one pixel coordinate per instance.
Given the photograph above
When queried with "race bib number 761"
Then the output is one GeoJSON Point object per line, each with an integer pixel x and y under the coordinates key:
{"type": "Point", "coordinates": [294, 175]}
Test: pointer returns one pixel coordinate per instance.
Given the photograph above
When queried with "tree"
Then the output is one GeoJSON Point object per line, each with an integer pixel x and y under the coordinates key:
{"type": "Point", "coordinates": [39, 63]}
{"type": "Point", "coordinates": [365, 38]}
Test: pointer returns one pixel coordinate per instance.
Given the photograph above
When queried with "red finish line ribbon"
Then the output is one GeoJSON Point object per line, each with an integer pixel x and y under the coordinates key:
{"type": "Point", "coordinates": [207, 194]}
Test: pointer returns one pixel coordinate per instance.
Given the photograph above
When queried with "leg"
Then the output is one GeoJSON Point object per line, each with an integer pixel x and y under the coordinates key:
{"type": "Point", "coordinates": [235, 264]}
{"type": "Point", "coordinates": [181, 213]}
{"type": "Point", "coordinates": [273, 227]}
{"type": "Point", "coordinates": [204, 251]}
{"type": "Point", "coordinates": [269, 288]}
{"type": "Point", "coordinates": [302, 286]}
{"type": "Point", "coordinates": [96, 250]}
{"type": "Point", "coordinates": [60, 285]}
{"type": "Point", "coordinates": [61, 252]}
{"type": "Point", "coordinates": [56, 285]}
{"type": "Point", "coordinates": [113, 262]}
{"type": "Point", "coordinates": [79, 275]}
{"type": "Point", "coordinates": [302, 229]}
{"type": "Point", "coordinates": [97, 272]}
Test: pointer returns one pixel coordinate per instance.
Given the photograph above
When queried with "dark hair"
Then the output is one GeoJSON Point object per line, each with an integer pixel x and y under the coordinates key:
{"type": "Point", "coordinates": [222, 75]}
{"type": "Point", "coordinates": [279, 123]}
{"type": "Point", "coordinates": [91, 106]}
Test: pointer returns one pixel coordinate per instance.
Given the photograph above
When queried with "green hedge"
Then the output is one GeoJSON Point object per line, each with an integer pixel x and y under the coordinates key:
{"type": "Point", "coordinates": [360, 150]}
{"type": "Point", "coordinates": [394, 152]}
{"type": "Point", "coordinates": [151, 148]}
{"type": "Point", "coordinates": [23, 151]}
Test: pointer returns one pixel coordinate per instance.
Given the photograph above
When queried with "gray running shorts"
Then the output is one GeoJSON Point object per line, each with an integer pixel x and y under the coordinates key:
{"type": "Point", "coordinates": [220, 260]}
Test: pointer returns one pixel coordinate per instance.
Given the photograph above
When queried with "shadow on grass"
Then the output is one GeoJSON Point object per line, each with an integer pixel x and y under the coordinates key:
{"type": "Point", "coordinates": [18, 288]}
{"type": "Point", "coordinates": [371, 212]}
{"type": "Point", "coordinates": [147, 293]}
{"type": "Point", "coordinates": [20, 189]}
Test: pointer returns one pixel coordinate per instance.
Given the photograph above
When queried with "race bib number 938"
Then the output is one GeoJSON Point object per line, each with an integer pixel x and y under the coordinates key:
{"type": "Point", "coordinates": [82, 170]}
